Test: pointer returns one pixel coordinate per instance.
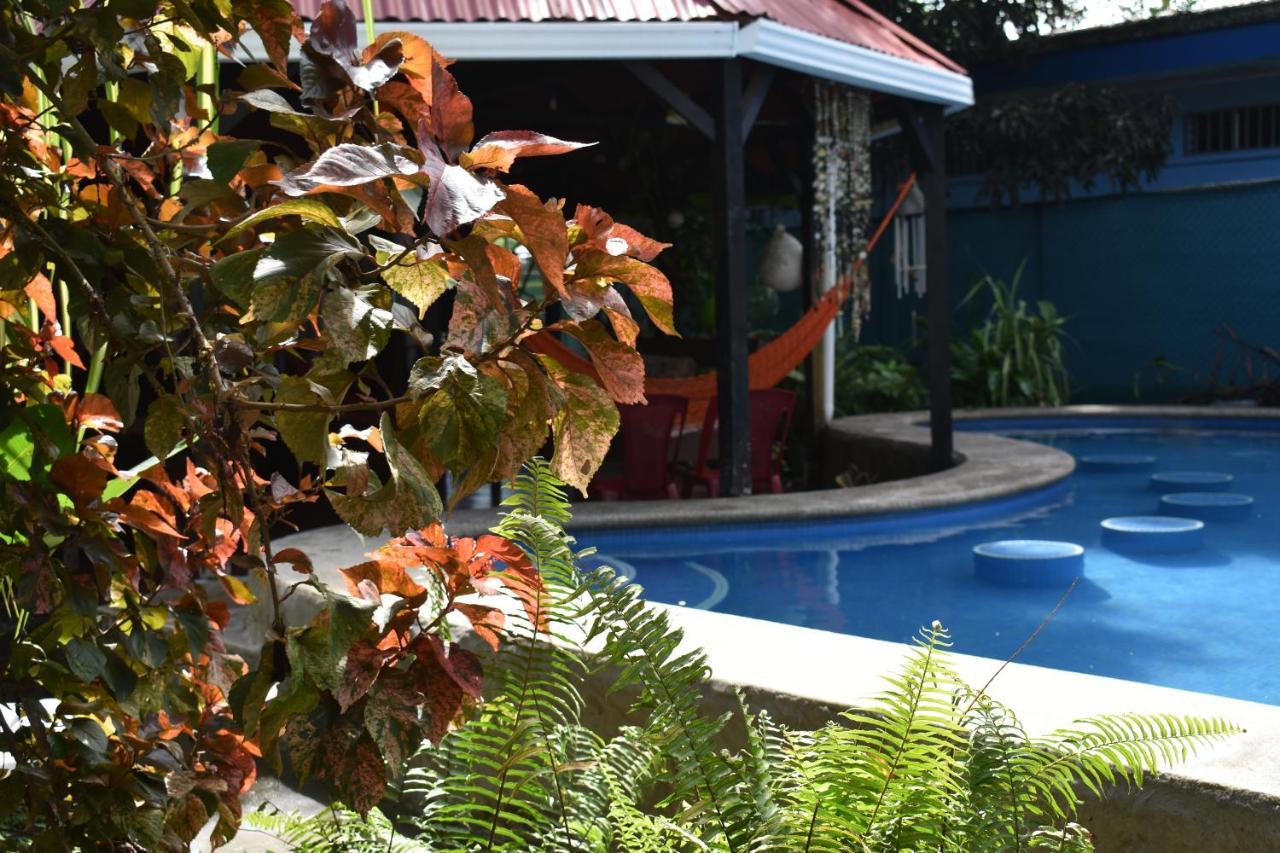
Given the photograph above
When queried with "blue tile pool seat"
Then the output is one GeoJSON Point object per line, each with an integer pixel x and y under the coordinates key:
{"type": "Point", "coordinates": [1117, 463]}
{"type": "Point", "coordinates": [1198, 481]}
{"type": "Point", "coordinates": [1207, 506]}
{"type": "Point", "coordinates": [1029, 562]}
{"type": "Point", "coordinates": [1156, 534]}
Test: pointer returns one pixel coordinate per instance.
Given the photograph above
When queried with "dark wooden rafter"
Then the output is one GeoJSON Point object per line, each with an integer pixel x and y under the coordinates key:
{"type": "Point", "coordinates": [674, 97]}
{"type": "Point", "coordinates": [689, 109]}
{"type": "Point", "coordinates": [923, 126]}
{"type": "Point", "coordinates": [753, 99]}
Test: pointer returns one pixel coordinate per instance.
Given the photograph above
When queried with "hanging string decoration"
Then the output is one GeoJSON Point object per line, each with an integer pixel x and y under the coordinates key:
{"type": "Point", "coordinates": [842, 187]}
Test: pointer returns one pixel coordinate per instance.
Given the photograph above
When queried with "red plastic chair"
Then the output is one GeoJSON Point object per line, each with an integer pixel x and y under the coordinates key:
{"type": "Point", "coordinates": [648, 450]}
{"type": "Point", "coordinates": [771, 411]}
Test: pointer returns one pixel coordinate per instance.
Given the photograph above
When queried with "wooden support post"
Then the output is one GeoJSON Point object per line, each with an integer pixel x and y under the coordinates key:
{"type": "Point", "coordinates": [924, 126]}
{"type": "Point", "coordinates": [729, 202]}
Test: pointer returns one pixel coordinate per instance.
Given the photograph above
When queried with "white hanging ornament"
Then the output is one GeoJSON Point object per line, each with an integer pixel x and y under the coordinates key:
{"type": "Point", "coordinates": [908, 245]}
{"type": "Point", "coordinates": [782, 262]}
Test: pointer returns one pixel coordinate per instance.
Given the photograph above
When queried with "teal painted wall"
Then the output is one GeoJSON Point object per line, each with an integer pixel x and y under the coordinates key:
{"type": "Point", "coordinates": [1141, 275]}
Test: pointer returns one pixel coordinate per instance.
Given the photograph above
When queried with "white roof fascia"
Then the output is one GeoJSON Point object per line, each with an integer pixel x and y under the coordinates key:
{"type": "Point", "coordinates": [762, 40]}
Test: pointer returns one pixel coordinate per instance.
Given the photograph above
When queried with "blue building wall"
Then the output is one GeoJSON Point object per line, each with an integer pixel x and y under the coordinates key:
{"type": "Point", "coordinates": [1144, 274]}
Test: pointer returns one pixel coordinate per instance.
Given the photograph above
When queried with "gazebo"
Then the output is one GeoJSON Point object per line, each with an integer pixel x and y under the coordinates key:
{"type": "Point", "coordinates": [717, 69]}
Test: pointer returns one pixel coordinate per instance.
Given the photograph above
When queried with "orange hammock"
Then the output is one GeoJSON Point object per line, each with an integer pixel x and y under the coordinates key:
{"type": "Point", "coordinates": [767, 366]}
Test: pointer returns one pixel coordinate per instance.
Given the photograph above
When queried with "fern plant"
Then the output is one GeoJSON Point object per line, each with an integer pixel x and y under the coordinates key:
{"type": "Point", "coordinates": [931, 764]}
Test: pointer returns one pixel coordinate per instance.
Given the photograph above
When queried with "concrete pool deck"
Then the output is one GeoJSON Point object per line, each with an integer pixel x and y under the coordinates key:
{"type": "Point", "coordinates": [1226, 799]}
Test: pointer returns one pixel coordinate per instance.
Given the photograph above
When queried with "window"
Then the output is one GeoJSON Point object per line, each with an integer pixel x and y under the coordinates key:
{"type": "Point", "coordinates": [1238, 129]}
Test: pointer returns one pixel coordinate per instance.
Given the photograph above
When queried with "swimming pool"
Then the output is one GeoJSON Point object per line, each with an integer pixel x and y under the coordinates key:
{"type": "Point", "coordinates": [1200, 621]}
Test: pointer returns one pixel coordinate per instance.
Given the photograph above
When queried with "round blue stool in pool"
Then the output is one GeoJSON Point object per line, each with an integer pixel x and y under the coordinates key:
{"type": "Point", "coordinates": [1200, 481]}
{"type": "Point", "coordinates": [1207, 506]}
{"type": "Point", "coordinates": [1152, 534]}
{"type": "Point", "coordinates": [1116, 463]}
{"type": "Point", "coordinates": [1029, 562]}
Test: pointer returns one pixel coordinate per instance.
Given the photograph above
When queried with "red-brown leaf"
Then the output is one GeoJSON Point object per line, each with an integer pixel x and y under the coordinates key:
{"type": "Point", "coordinates": [361, 777]}
{"type": "Point", "coordinates": [544, 232]}
{"type": "Point", "coordinates": [406, 100]}
{"type": "Point", "coordinates": [95, 411]}
{"type": "Point", "coordinates": [80, 477]}
{"type": "Point", "coordinates": [348, 165]}
{"type": "Point", "coordinates": [620, 368]}
{"type": "Point", "coordinates": [363, 663]}
{"type": "Point", "coordinates": [461, 665]}
{"type": "Point", "coordinates": [142, 519]}
{"type": "Point", "coordinates": [451, 113]}
{"type": "Point", "coordinates": [649, 285]}
{"type": "Point", "coordinates": [418, 64]}
{"type": "Point", "coordinates": [487, 622]}
{"type": "Point", "coordinates": [441, 696]}
{"type": "Point", "coordinates": [275, 23]}
{"type": "Point", "coordinates": [614, 238]}
{"type": "Point", "coordinates": [455, 197]}
{"type": "Point", "coordinates": [387, 575]}
{"type": "Point", "coordinates": [66, 350]}
{"type": "Point", "coordinates": [498, 151]}
{"type": "Point", "coordinates": [300, 562]}
{"type": "Point", "coordinates": [41, 292]}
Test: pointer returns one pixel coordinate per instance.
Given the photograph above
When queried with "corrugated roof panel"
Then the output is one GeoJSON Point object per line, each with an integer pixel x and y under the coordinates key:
{"type": "Point", "coordinates": [849, 21]}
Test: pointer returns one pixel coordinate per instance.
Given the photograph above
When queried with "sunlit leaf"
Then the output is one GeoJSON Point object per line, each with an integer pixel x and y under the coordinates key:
{"type": "Point", "coordinates": [498, 151]}
{"type": "Point", "coordinates": [357, 322]}
{"type": "Point", "coordinates": [583, 427]}
{"type": "Point", "coordinates": [308, 209]}
{"type": "Point", "coordinates": [455, 196]}
{"type": "Point", "coordinates": [649, 285]}
{"type": "Point", "coordinates": [349, 165]}
{"type": "Point", "coordinates": [420, 280]}
{"type": "Point", "coordinates": [620, 368]}
{"type": "Point", "coordinates": [312, 249]}
{"type": "Point", "coordinates": [409, 501]}
{"type": "Point", "coordinates": [543, 230]}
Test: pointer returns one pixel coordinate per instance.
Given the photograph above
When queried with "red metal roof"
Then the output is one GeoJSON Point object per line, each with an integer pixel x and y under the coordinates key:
{"type": "Point", "coordinates": [849, 21]}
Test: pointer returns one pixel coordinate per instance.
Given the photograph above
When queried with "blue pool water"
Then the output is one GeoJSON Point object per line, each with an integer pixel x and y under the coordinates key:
{"type": "Point", "coordinates": [1204, 620]}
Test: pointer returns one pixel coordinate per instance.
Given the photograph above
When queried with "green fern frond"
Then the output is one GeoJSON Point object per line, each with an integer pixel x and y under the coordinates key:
{"type": "Point", "coordinates": [334, 831]}
{"type": "Point", "coordinates": [1102, 751]}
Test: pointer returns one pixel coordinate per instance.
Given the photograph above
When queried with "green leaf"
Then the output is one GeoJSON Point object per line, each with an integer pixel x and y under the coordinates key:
{"type": "Point", "coordinates": [309, 209]}
{"type": "Point", "coordinates": [163, 428]}
{"type": "Point", "coordinates": [305, 433]}
{"type": "Point", "coordinates": [408, 502]}
{"type": "Point", "coordinates": [283, 301]}
{"type": "Point", "coordinates": [357, 322]}
{"type": "Point", "coordinates": [422, 282]}
{"type": "Point", "coordinates": [85, 659]}
{"type": "Point", "coordinates": [313, 249]}
{"type": "Point", "coordinates": [226, 158]}
{"type": "Point", "coordinates": [233, 275]}
{"type": "Point", "coordinates": [464, 410]}
{"type": "Point", "coordinates": [265, 99]}
{"type": "Point", "coordinates": [17, 450]}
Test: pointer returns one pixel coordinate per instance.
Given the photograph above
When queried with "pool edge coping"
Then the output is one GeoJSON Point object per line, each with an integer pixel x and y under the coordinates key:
{"type": "Point", "coordinates": [989, 467]}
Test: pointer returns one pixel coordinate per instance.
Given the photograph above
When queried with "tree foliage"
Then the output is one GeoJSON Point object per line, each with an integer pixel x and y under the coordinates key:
{"type": "Point", "coordinates": [1053, 144]}
{"type": "Point", "coordinates": [975, 30]}
{"type": "Point", "coordinates": [228, 298]}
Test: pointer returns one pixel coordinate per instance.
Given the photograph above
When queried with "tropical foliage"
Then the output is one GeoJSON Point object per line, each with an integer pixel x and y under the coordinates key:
{"type": "Point", "coordinates": [931, 764]}
{"type": "Point", "coordinates": [1014, 355]}
{"type": "Point", "coordinates": [871, 378]}
{"type": "Point", "coordinates": [219, 305]}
